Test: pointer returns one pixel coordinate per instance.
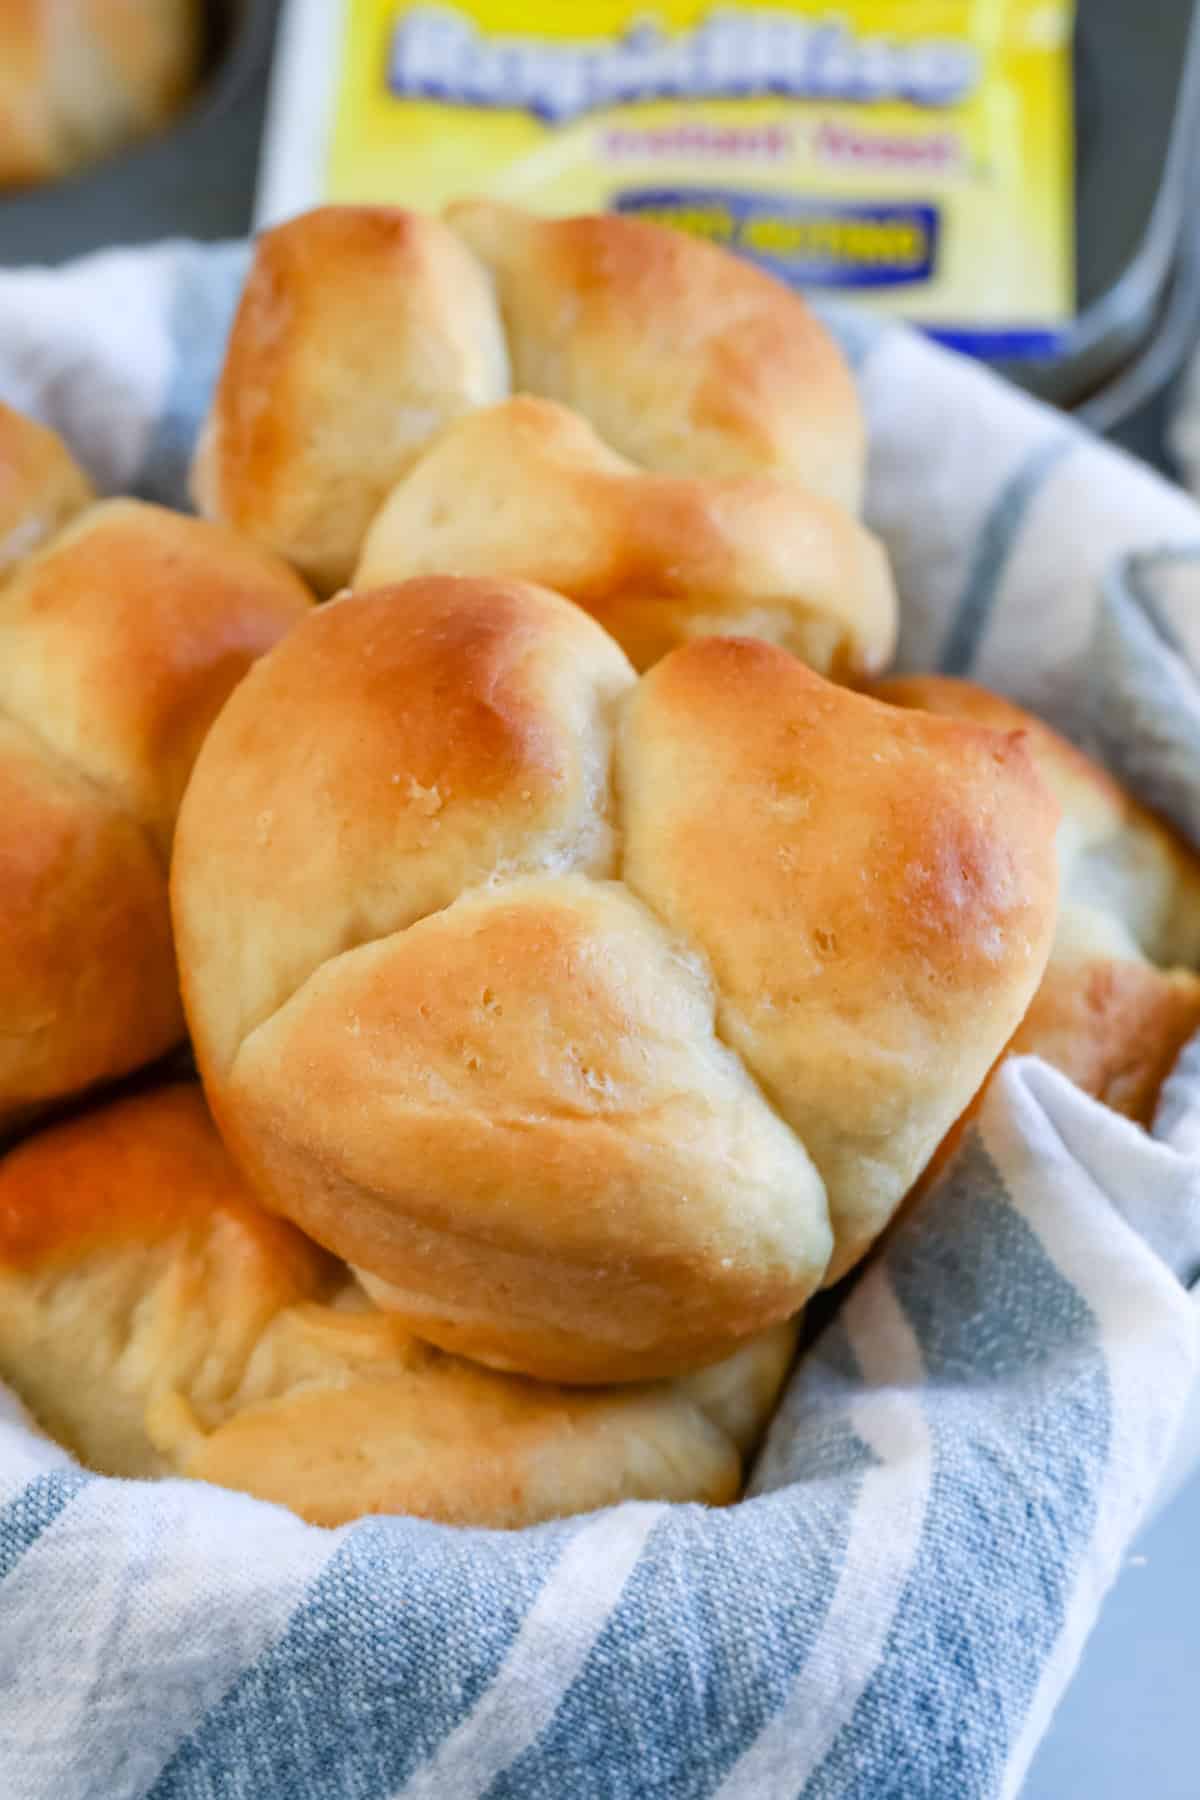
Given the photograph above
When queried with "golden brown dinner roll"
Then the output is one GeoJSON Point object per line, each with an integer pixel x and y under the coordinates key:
{"type": "Point", "coordinates": [157, 1321]}
{"type": "Point", "coordinates": [361, 331]}
{"type": "Point", "coordinates": [87, 973]}
{"type": "Point", "coordinates": [570, 1010]}
{"type": "Point", "coordinates": [527, 489]}
{"type": "Point", "coordinates": [683, 357]}
{"type": "Point", "coordinates": [81, 78]}
{"type": "Point", "coordinates": [41, 486]}
{"type": "Point", "coordinates": [876, 906]}
{"type": "Point", "coordinates": [1120, 996]}
{"type": "Point", "coordinates": [119, 642]}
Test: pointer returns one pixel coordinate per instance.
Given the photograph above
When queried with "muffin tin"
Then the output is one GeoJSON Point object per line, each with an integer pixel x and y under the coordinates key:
{"type": "Point", "coordinates": [195, 179]}
{"type": "Point", "coordinates": [1137, 128]}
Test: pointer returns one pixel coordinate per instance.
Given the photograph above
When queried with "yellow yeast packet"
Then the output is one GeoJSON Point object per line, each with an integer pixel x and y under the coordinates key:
{"type": "Point", "coordinates": [916, 154]}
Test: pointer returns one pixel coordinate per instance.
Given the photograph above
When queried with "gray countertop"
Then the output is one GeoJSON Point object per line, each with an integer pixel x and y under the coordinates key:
{"type": "Point", "coordinates": [1126, 1727]}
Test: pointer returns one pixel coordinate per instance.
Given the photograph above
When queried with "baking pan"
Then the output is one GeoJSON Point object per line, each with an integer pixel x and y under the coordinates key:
{"type": "Point", "coordinates": [1137, 135]}
{"type": "Point", "coordinates": [194, 179]}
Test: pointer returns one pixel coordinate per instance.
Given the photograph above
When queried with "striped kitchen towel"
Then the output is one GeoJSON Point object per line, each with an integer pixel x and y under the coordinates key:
{"type": "Point", "coordinates": [961, 1458]}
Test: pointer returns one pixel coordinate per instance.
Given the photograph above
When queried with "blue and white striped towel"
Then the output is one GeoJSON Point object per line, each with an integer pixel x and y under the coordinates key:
{"type": "Point", "coordinates": [959, 1463]}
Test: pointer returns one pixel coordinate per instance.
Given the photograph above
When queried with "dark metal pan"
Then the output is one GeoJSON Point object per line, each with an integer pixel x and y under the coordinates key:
{"type": "Point", "coordinates": [195, 179]}
{"type": "Point", "coordinates": [1137, 100]}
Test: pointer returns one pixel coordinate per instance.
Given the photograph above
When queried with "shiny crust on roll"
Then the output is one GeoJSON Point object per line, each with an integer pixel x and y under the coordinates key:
{"type": "Point", "coordinates": [361, 332]}
{"type": "Point", "coordinates": [595, 1022]}
{"type": "Point", "coordinates": [1120, 996]}
{"type": "Point", "coordinates": [681, 451]}
{"type": "Point", "coordinates": [683, 357]}
{"type": "Point", "coordinates": [119, 642]}
{"type": "Point", "coordinates": [527, 490]}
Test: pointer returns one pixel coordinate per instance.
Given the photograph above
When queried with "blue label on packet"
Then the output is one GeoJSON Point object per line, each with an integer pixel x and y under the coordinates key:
{"type": "Point", "coordinates": [1002, 344]}
{"type": "Point", "coordinates": [842, 244]}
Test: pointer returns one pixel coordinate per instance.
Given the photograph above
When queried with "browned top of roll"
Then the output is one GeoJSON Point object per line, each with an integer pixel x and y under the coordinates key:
{"type": "Point", "coordinates": [585, 1014]}
{"type": "Point", "coordinates": [119, 641]}
{"type": "Point", "coordinates": [1121, 995]}
{"type": "Point", "coordinates": [527, 489]}
{"type": "Point", "coordinates": [363, 331]}
{"type": "Point", "coordinates": [685, 358]}
{"type": "Point", "coordinates": [876, 897]}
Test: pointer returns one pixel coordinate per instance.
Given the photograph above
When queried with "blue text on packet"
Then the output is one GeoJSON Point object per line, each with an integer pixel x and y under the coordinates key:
{"type": "Point", "coordinates": [820, 243]}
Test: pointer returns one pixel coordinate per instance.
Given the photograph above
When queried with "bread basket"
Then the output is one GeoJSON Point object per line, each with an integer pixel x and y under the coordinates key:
{"type": "Point", "coordinates": [975, 1431]}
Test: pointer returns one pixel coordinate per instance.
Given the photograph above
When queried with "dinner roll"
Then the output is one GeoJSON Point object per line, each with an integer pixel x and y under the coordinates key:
{"type": "Point", "coordinates": [571, 1010]}
{"type": "Point", "coordinates": [684, 357]}
{"type": "Point", "coordinates": [1120, 996]}
{"type": "Point", "coordinates": [87, 973]}
{"type": "Point", "coordinates": [119, 642]}
{"type": "Point", "coordinates": [81, 78]}
{"type": "Point", "coordinates": [527, 489]}
{"type": "Point", "coordinates": [41, 486]}
{"type": "Point", "coordinates": [360, 332]}
{"type": "Point", "coordinates": [364, 331]}
{"type": "Point", "coordinates": [156, 1321]}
